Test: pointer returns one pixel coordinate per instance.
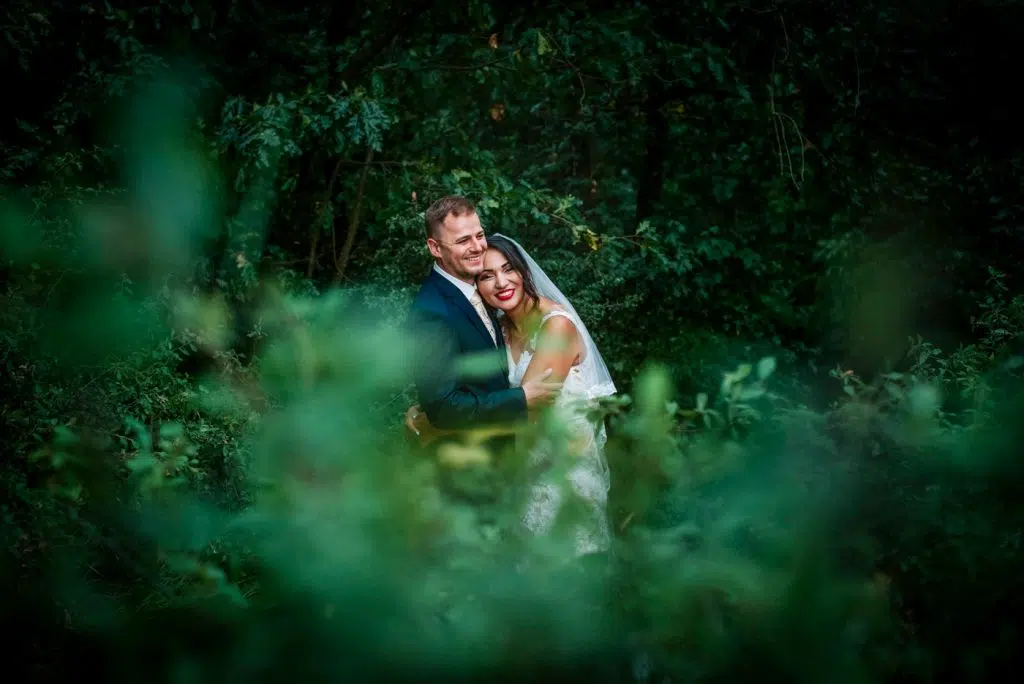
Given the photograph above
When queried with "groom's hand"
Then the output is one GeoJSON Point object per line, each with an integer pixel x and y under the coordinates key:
{"type": "Point", "coordinates": [541, 391]}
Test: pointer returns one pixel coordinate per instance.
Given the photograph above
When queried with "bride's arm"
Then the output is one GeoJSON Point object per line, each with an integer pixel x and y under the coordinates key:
{"type": "Point", "coordinates": [558, 345]}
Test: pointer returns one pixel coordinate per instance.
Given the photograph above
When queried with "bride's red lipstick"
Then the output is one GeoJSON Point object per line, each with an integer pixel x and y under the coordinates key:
{"type": "Point", "coordinates": [505, 295]}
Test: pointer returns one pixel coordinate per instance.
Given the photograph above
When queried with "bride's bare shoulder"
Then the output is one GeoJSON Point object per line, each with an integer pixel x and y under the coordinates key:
{"type": "Point", "coordinates": [558, 326]}
{"type": "Point", "coordinates": [546, 305]}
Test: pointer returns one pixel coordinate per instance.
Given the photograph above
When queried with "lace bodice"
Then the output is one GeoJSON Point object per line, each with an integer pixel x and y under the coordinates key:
{"type": "Point", "coordinates": [582, 382]}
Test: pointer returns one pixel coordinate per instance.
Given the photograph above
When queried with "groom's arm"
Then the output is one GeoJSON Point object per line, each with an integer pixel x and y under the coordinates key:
{"type": "Point", "coordinates": [449, 402]}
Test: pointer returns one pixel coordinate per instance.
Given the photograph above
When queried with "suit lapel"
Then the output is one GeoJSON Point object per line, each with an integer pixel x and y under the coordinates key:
{"type": "Point", "coordinates": [453, 294]}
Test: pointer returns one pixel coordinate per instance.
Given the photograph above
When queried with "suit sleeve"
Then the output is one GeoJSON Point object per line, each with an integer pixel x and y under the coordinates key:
{"type": "Point", "coordinates": [448, 400]}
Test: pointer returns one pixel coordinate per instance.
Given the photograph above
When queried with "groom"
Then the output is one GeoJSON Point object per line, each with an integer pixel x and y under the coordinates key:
{"type": "Point", "coordinates": [453, 324]}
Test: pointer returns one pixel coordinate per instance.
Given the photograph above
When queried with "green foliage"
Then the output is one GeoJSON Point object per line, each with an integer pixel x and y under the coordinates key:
{"type": "Point", "coordinates": [745, 529]}
{"type": "Point", "coordinates": [216, 233]}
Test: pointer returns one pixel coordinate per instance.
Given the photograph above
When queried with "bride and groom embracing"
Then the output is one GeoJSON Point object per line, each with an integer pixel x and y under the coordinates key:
{"type": "Point", "coordinates": [486, 295]}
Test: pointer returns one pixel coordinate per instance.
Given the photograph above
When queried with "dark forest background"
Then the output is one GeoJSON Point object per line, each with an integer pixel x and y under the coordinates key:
{"type": "Point", "coordinates": [793, 227]}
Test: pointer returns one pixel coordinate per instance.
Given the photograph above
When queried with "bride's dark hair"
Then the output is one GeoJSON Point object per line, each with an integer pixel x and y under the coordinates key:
{"type": "Point", "coordinates": [515, 259]}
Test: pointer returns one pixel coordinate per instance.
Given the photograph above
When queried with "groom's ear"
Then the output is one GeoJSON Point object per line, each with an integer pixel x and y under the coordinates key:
{"type": "Point", "coordinates": [434, 247]}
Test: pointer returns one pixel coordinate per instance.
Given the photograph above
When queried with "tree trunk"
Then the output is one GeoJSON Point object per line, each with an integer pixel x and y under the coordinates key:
{"type": "Point", "coordinates": [651, 178]}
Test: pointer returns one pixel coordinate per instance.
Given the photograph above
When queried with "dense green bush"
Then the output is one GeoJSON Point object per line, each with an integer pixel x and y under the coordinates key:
{"type": "Point", "coordinates": [204, 475]}
{"type": "Point", "coordinates": [274, 505]}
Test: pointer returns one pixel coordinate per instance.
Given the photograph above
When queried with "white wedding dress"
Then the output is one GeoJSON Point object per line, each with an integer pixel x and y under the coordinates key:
{"type": "Point", "coordinates": [586, 477]}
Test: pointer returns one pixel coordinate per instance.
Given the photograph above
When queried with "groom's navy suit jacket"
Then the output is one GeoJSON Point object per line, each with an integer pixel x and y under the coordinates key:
{"type": "Point", "coordinates": [448, 330]}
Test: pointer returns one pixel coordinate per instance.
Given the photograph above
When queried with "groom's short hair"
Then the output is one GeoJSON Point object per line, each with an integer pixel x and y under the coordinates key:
{"type": "Point", "coordinates": [437, 212]}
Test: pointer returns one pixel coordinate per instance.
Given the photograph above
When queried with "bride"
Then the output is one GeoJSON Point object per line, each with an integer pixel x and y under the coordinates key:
{"type": "Point", "coordinates": [543, 331]}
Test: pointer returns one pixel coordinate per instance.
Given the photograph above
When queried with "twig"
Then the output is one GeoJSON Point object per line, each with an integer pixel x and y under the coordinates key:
{"type": "Point", "coordinates": [576, 69]}
{"type": "Point", "coordinates": [779, 125]}
{"type": "Point", "coordinates": [382, 162]}
{"type": "Point", "coordinates": [328, 201]}
{"type": "Point", "coordinates": [585, 74]}
{"type": "Point", "coordinates": [126, 438]}
{"type": "Point", "coordinates": [341, 261]}
{"type": "Point", "coordinates": [311, 259]}
{"type": "Point", "coordinates": [49, 293]}
{"type": "Point", "coordinates": [394, 66]}
{"type": "Point", "coordinates": [773, 8]}
{"type": "Point", "coordinates": [785, 34]}
{"type": "Point", "coordinates": [778, 143]}
{"type": "Point", "coordinates": [628, 519]}
{"type": "Point", "coordinates": [856, 97]}
{"type": "Point", "coordinates": [803, 147]}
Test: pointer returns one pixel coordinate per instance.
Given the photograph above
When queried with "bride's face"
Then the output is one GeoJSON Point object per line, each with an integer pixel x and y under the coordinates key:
{"type": "Point", "coordinates": [500, 285]}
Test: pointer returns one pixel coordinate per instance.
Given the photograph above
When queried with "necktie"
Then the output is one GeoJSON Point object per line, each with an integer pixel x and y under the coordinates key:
{"type": "Point", "coordinates": [478, 304]}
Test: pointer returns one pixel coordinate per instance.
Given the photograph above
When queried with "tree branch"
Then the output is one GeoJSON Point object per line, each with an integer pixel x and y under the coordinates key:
{"type": "Point", "coordinates": [341, 260]}
{"type": "Point", "coordinates": [324, 207]}
{"type": "Point", "coordinates": [394, 66]}
{"type": "Point", "coordinates": [576, 70]}
{"type": "Point", "coordinates": [382, 162]}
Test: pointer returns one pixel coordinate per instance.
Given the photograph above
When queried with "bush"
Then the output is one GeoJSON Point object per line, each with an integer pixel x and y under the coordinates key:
{"type": "Point", "coordinates": [264, 517]}
{"type": "Point", "coordinates": [273, 512]}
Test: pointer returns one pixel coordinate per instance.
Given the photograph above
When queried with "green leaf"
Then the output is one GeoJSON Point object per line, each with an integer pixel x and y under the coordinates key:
{"type": "Point", "coordinates": [543, 47]}
{"type": "Point", "coordinates": [924, 401]}
{"type": "Point", "coordinates": [715, 67]}
{"type": "Point", "coordinates": [142, 462]}
{"type": "Point", "coordinates": [751, 393]}
{"type": "Point", "coordinates": [742, 372]}
{"type": "Point", "coordinates": [480, 365]}
{"type": "Point", "coordinates": [765, 367]}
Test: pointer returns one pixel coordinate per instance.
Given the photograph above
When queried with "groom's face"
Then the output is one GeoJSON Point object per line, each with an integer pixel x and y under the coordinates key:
{"type": "Point", "coordinates": [460, 246]}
